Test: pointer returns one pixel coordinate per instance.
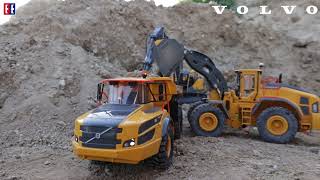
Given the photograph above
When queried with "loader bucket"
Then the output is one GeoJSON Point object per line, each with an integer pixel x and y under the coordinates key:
{"type": "Point", "coordinates": [168, 55]}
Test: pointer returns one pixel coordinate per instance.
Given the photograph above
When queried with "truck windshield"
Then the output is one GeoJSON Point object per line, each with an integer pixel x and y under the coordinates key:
{"type": "Point", "coordinates": [126, 94]}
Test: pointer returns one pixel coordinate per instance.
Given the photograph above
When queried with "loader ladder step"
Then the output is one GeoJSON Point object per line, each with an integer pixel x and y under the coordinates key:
{"type": "Point", "coordinates": [246, 116]}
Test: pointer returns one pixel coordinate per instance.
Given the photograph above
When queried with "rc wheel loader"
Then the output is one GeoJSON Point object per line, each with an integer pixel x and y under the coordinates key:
{"type": "Point", "coordinates": [278, 110]}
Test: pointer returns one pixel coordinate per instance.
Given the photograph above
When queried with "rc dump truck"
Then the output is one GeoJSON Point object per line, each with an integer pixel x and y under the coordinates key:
{"type": "Point", "coordinates": [134, 121]}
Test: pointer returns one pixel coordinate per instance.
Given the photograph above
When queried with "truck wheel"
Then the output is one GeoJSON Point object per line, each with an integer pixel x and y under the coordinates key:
{"type": "Point", "coordinates": [277, 125]}
{"type": "Point", "coordinates": [178, 124]}
{"type": "Point", "coordinates": [206, 120]}
{"type": "Point", "coordinates": [192, 107]}
{"type": "Point", "coordinates": [163, 159]}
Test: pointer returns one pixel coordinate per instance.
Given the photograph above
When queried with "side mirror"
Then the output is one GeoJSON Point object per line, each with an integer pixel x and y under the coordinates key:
{"type": "Point", "coordinates": [100, 92]}
{"type": "Point", "coordinates": [280, 78]}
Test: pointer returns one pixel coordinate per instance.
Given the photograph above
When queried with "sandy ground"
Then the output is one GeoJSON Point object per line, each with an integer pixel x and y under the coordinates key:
{"type": "Point", "coordinates": [235, 155]}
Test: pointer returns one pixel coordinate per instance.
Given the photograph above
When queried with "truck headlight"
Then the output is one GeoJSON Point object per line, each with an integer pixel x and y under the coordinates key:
{"type": "Point", "coordinates": [129, 143]}
{"type": "Point", "coordinates": [315, 107]}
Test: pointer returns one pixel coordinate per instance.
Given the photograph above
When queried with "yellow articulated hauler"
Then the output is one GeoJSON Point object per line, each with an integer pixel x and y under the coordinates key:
{"type": "Point", "coordinates": [132, 122]}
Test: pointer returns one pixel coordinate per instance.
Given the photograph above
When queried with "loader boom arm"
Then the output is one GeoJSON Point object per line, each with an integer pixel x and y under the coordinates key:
{"type": "Point", "coordinates": [205, 66]}
{"type": "Point", "coordinates": [169, 55]}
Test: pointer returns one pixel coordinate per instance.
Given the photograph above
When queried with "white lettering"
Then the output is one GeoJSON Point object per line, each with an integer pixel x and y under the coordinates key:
{"type": "Point", "coordinates": [6, 9]}
{"type": "Point", "coordinates": [264, 10]}
{"type": "Point", "coordinates": [313, 11]}
{"type": "Point", "coordinates": [219, 9]}
{"type": "Point", "coordinates": [288, 9]}
{"type": "Point", "coordinates": [242, 9]}
{"type": "Point", "coordinates": [12, 9]}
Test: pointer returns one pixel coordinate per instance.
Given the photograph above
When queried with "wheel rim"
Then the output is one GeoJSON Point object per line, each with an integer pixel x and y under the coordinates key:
{"type": "Point", "coordinates": [208, 121]}
{"type": "Point", "coordinates": [168, 146]}
{"type": "Point", "coordinates": [277, 125]}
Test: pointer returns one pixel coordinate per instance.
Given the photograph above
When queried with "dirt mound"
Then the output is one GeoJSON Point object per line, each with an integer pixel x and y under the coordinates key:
{"type": "Point", "coordinates": [54, 52]}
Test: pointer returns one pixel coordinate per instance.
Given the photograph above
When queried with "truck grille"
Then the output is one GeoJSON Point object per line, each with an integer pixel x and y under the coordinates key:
{"type": "Point", "coordinates": [99, 137]}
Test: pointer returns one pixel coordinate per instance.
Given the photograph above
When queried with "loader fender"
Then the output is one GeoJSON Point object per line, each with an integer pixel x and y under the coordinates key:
{"type": "Point", "coordinates": [167, 120]}
{"type": "Point", "coordinates": [275, 101]}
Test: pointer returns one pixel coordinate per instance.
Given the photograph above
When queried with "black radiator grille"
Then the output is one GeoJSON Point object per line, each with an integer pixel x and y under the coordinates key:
{"type": "Point", "coordinates": [99, 137]}
{"type": "Point", "coordinates": [146, 137]}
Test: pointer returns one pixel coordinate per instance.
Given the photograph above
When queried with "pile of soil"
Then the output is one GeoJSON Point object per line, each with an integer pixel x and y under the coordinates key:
{"type": "Point", "coordinates": [54, 52]}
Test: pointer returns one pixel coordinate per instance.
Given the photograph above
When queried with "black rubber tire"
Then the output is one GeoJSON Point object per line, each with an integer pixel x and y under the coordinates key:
{"type": "Point", "coordinates": [192, 107]}
{"type": "Point", "coordinates": [161, 160]}
{"type": "Point", "coordinates": [178, 124]}
{"type": "Point", "coordinates": [204, 108]}
{"type": "Point", "coordinates": [176, 115]}
{"type": "Point", "coordinates": [280, 111]}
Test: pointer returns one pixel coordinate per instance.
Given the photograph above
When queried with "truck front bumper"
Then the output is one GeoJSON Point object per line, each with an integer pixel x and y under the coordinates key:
{"type": "Point", "coordinates": [131, 155]}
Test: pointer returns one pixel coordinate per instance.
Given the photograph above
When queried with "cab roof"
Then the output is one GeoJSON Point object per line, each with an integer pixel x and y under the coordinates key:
{"type": "Point", "coordinates": [136, 79]}
{"type": "Point", "coordinates": [248, 70]}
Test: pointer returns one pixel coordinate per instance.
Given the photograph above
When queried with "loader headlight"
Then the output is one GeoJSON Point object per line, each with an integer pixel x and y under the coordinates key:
{"type": "Point", "coordinates": [315, 107]}
{"type": "Point", "coordinates": [76, 139]}
{"type": "Point", "coordinates": [129, 143]}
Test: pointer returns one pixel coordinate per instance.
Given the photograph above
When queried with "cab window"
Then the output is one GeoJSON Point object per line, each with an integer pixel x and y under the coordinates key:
{"type": "Point", "coordinates": [249, 85]}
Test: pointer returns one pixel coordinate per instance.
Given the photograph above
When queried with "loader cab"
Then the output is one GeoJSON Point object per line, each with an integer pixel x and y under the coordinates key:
{"type": "Point", "coordinates": [248, 84]}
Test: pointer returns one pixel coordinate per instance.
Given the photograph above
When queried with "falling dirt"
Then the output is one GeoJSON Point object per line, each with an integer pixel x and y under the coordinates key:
{"type": "Point", "coordinates": [54, 52]}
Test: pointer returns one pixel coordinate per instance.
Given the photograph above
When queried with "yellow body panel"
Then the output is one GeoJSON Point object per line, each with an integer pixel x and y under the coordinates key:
{"type": "Point", "coordinates": [214, 95]}
{"type": "Point", "coordinates": [316, 121]}
{"type": "Point", "coordinates": [199, 84]}
{"type": "Point", "coordinates": [157, 42]}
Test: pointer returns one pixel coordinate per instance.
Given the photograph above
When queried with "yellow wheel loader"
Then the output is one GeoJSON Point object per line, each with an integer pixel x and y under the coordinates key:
{"type": "Point", "coordinates": [136, 119]}
{"type": "Point", "coordinates": [278, 110]}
